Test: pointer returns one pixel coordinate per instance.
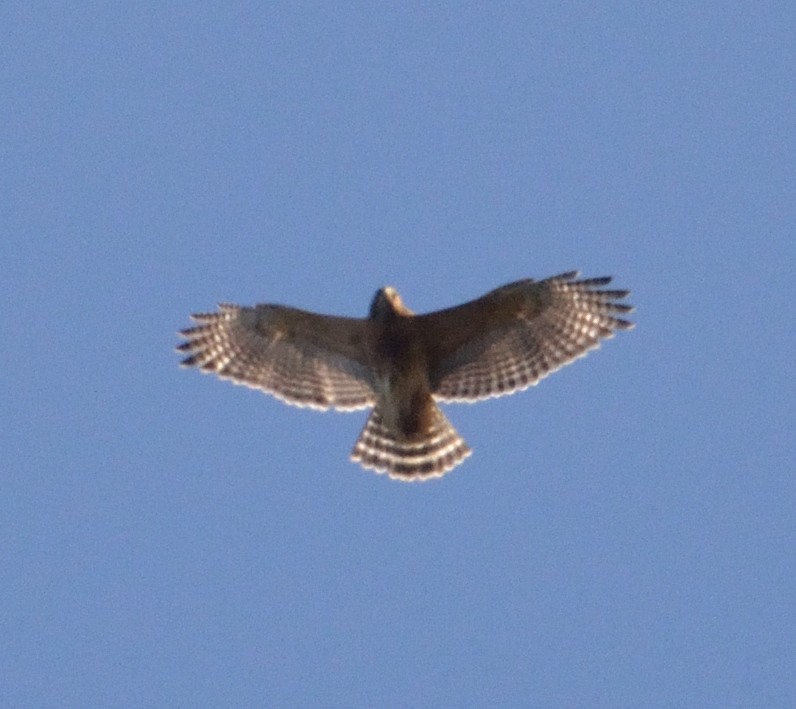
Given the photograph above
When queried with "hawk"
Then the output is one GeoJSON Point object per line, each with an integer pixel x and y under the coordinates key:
{"type": "Point", "coordinates": [401, 364]}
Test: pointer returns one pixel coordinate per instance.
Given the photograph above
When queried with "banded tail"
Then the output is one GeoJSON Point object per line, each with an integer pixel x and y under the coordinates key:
{"type": "Point", "coordinates": [431, 454]}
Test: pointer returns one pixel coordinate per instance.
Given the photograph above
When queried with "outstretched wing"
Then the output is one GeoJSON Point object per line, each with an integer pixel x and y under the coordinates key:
{"type": "Point", "coordinates": [300, 357]}
{"type": "Point", "coordinates": [514, 336]}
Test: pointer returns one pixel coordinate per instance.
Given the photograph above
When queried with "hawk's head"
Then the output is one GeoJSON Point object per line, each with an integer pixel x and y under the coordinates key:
{"type": "Point", "coordinates": [387, 303]}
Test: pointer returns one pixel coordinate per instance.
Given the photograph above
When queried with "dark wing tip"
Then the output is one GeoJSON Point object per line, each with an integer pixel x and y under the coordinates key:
{"type": "Point", "coordinates": [593, 288]}
{"type": "Point", "coordinates": [205, 317]}
{"type": "Point", "coordinates": [613, 294]}
{"type": "Point", "coordinates": [595, 282]}
{"type": "Point", "coordinates": [620, 324]}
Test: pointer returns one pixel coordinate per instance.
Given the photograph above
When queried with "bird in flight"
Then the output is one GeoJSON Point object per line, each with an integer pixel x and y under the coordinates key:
{"type": "Point", "coordinates": [401, 364]}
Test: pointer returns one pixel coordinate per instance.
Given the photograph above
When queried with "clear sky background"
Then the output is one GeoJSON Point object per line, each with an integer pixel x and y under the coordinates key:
{"type": "Point", "coordinates": [624, 533]}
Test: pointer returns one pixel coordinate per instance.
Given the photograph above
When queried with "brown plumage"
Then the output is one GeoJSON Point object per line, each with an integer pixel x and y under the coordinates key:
{"type": "Point", "coordinates": [401, 364]}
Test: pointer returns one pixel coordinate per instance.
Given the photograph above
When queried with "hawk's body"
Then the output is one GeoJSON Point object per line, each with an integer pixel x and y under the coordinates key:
{"type": "Point", "coordinates": [400, 363]}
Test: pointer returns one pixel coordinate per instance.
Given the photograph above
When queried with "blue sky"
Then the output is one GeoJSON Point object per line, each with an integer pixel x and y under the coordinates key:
{"type": "Point", "coordinates": [624, 533]}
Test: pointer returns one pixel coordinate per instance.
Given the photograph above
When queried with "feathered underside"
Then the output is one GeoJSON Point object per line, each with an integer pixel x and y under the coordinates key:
{"type": "Point", "coordinates": [284, 352]}
{"type": "Point", "coordinates": [537, 328]}
{"type": "Point", "coordinates": [503, 342]}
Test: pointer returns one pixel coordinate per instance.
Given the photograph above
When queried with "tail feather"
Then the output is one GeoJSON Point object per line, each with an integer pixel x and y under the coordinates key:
{"type": "Point", "coordinates": [430, 455]}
